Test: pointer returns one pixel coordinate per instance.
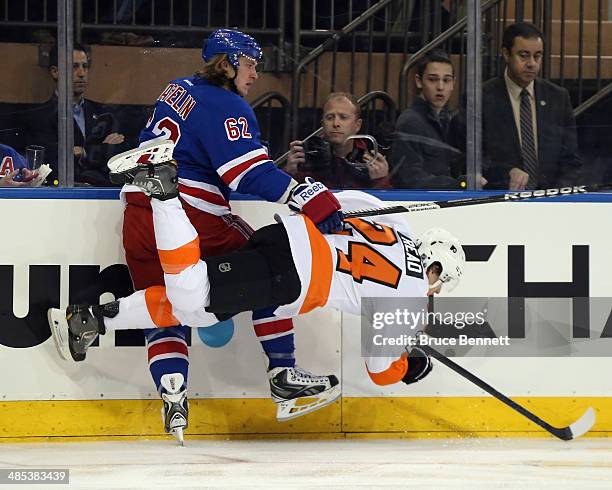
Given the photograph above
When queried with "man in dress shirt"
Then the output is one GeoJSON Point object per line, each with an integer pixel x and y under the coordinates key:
{"type": "Point", "coordinates": [529, 131]}
{"type": "Point", "coordinates": [96, 134]}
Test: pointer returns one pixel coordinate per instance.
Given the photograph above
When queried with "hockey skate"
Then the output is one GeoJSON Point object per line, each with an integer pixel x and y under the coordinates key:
{"type": "Point", "coordinates": [175, 412]}
{"type": "Point", "coordinates": [75, 329]}
{"type": "Point", "coordinates": [149, 167]}
{"type": "Point", "coordinates": [298, 392]}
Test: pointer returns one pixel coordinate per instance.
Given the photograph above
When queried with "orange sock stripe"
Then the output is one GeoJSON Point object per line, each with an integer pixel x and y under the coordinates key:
{"type": "Point", "coordinates": [393, 374]}
{"type": "Point", "coordinates": [321, 269]}
{"type": "Point", "coordinates": [160, 309]}
{"type": "Point", "coordinates": [178, 259]}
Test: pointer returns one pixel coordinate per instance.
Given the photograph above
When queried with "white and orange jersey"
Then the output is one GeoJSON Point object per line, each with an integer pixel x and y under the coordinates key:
{"type": "Point", "coordinates": [374, 257]}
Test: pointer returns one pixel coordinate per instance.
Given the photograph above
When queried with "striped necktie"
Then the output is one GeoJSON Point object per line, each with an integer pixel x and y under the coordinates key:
{"type": "Point", "coordinates": [528, 151]}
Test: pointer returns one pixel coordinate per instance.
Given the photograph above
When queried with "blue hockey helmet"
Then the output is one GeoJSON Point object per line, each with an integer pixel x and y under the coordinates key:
{"type": "Point", "coordinates": [232, 43]}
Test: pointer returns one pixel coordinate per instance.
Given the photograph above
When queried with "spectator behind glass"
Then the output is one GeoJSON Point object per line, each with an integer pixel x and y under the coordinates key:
{"type": "Point", "coordinates": [423, 155]}
{"type": "Point", "coordinates": [529, 131]}
{"type": "Point", "coordinates": [96, 133]}
{"type": "Point", "coordinates": [335, 165]}
{"type": "Point", "coordinates": [14, 170]}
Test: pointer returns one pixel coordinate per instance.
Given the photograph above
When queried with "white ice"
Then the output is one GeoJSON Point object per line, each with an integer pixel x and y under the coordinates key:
{"type": "Point", "coordinates": [408, 463]}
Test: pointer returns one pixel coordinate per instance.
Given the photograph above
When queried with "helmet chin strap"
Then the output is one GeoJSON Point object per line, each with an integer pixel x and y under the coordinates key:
{"type": "Point", "coordinates": [231, 83]}
{"type": "Point", "coordinates": [232, 80]}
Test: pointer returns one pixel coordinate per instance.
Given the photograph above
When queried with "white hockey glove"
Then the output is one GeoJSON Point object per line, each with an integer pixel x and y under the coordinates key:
{"type": "Point", "coordinates": [316, 201]}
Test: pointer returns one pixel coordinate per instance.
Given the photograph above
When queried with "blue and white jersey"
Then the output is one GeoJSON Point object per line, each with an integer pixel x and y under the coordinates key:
{"type": "Point", "coordinates": [218, 145]}
{"type": "Point", "coordinates": [10, 160]}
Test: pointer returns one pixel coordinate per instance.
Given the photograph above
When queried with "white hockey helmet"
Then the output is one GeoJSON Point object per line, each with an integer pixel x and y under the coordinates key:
{"type": "Point", "coordinates": [438, 245]}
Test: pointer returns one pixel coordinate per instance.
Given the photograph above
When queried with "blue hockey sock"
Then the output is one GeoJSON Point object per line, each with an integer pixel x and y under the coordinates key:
{"type": "Point", "coordinates": [167, 352]}
{"type": "Point", "coordinates": [280, 351]}
{"type": "Point", "coordinates": [276, 337]}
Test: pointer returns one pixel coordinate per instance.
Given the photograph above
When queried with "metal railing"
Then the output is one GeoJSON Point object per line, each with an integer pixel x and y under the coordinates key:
{"type": "Point", "coordinates": [368, 108]}
{"type": "Point", "coordinates": [277, 138]}
{"type": "Point", "coordinates": [264, 19]}
{"type": "Point", "coordinates": [191, 20]}
{"type": "Point", "coordinates": [575, 61]}
{"type": "Point", "coordinates": [591, 101]}
{"type": "Point", "coordinates": [321, 19]}
{"type": "Point", "coordinates": [330, 43]}
{"type": "Point", "coordinates": [573, 38]}
{"type": "Point", "coordinates": [497, 14]}
{"type": "Point", "coordinates": [457, 29]}
{"type": "Point", "coordinates": [574, 32]}
{"type": "Point", "coordinates": [18, 14]}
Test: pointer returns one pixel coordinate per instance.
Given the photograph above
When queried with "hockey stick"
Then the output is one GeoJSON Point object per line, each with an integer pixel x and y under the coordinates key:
{"type": "Point", "coordinates": [507, 197]}
{"type": "Point", "coordinates": [572, 431]}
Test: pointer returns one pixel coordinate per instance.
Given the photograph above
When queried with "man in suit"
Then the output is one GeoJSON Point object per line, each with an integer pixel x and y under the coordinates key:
{"type": "Point", "coordinates": [529, 131]}
{"type": "Point", "coordinates": [96, 133]}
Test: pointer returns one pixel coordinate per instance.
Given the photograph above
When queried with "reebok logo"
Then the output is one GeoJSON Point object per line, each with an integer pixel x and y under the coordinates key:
{"type": "Point", "coordinates": [578, 189]}
{"type": "Point", "coordinates": [311, 191]}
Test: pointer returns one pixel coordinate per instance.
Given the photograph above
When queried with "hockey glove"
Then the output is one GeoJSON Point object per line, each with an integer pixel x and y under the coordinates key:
{"type": "Point", "coordinates": [316, 201]}
{"type": "Point", "coordinates": [419, 366]}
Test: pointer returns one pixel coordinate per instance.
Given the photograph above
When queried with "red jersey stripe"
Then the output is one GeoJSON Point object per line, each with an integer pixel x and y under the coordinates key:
{"type": "Point", "coordinates": [170, 347]}
{"type": "Point", "coordinates": [203, 194]}
{"type": "Point", "coordinates": [234, 172]}
{"type": "Point", "coordinates": [270, 328]}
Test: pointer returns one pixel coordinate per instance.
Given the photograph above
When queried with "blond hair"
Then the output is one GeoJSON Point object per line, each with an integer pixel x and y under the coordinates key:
{"type": "Point", "coordinates": [344, 95]}
{"type": "Point", "coordinates": [213, 72]}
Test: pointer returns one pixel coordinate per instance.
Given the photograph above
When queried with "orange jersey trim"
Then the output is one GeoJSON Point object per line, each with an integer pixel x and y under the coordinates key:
{"type": "Point", "coordinates": [177, 260]}
{"type": "Point", "coordinates": [159, 308]}
{"type": "Point", "coordinates": [393, 374]}
{"type": "Point", "coordinates": [321, 269]}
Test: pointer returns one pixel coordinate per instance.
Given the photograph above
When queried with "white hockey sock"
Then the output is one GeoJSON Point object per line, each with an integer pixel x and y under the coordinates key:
{"type": "Point", "coordinates": [133, 314]}
{"type": "Point", "coordinates": [189, 290]}
{"type": "Point", "coordinates": [172, 227]}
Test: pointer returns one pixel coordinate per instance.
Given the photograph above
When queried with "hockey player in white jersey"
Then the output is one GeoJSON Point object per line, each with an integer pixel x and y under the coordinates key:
{"type": "Point", "coordinates": [370, 258]}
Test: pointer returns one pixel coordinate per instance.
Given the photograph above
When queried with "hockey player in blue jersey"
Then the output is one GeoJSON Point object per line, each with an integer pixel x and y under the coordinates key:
{"type": "Point", "coordinates": [218, 147]}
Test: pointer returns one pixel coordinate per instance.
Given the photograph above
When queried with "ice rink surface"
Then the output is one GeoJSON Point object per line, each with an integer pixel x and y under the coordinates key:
{"type": "Point", "coordinates": [407, 463]}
